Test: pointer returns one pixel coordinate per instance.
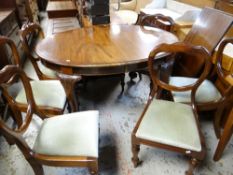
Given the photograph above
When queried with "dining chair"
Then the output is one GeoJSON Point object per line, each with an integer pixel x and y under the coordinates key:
{"type": "Point", "coordinates": [68, 140]}
{"type": "Point", "coordinates": [157, 21]}
{"type": "Point", "coordinates": [167, 124]}
{"type": "Point", "coordinates": [30, 35]}
{"type": "Point", "coordinates": [212, 92]}
{"type": "Point", "coordinates": [49, 95]}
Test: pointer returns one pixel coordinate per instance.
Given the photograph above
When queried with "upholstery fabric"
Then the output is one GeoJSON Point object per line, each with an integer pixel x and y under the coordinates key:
{"type": "Point", "coordinates": [141, 4]}
{"type": "Point", "coordinates": [189, 16]}
{"type": "Point", "coordinates": [206, 92]}
{"type": "Point", "coordinates": [175, 10]}
{"type": "Point", "coordinates": [171, 124]}
{"type": "Point", "coordinates": [46, 93]}
{"type": "Point", "coordinates": [127, 16]}
{"type": "Point", "coordinates": [131, 5]}
{"type": "Point", "coordinates": [46, 71]}
{"type": "Point", "coordinates": [74, 134]}
{"type": "Point", "coordinates": [180, 7]}
{"type": "Point", "coordinates": [156, 4]}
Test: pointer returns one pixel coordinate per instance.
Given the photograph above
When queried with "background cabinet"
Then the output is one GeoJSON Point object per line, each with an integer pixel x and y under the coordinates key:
{"type": "Point", "coordinates": [9, 27]}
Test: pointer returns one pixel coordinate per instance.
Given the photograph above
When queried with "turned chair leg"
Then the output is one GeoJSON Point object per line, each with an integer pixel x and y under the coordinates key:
{"type": "Point", "coordinates": [226, 135]}
{"type": "Point", "coordinates": [192, 165]}
{"type": "Point", "coordinates": [37, 168]}
{"type": "Point", "coordinates": [135, 150]}
{"type": "Point", "coordinates": [217, 120]}
{"type": "Point", "coordinates": [94, 168]}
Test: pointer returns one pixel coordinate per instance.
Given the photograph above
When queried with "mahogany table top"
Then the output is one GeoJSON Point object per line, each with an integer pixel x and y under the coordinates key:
{"type": "Point", "coordinates": [101, 50]}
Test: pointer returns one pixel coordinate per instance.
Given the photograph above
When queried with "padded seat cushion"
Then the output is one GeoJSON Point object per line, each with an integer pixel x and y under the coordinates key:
{"type": "Point", "coordinates": [46, 93]}
{"type": "Point", "coordinates": [171, 124]}
{"type": "Point", "coordinates": [74, 134]}
{"type": "Point", "coordinates": [46, 71]}
{"type": "Point", "coordinates": [207, 92]}
{"type": "Point", "coordinates": [127, 16]}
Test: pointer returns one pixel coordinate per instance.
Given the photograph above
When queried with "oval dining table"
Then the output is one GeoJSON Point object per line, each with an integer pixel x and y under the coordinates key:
{"type": "Point", "coordinates": [101, 49]}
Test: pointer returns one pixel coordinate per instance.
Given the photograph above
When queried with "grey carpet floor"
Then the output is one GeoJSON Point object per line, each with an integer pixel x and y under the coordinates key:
{"type": "Point", "coordinates": [118, 115]}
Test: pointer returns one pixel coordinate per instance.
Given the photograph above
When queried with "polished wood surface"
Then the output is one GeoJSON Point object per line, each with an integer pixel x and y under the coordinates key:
{"type": "Point", "coordinates": [100, 50]}
{"type": "Point", "coordinates": [207, 31]}
{"type": "Point", "coordinates": [196, 52]}
{"type": "Point", "coordinates": [59, 9]}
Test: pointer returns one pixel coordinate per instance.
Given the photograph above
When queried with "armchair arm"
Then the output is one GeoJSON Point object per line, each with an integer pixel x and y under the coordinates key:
{"type": "Point", "coordinates": [131, 5]}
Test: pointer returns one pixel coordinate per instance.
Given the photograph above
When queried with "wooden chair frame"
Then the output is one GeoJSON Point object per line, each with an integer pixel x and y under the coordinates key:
{"type": "Point", "coordinates": [26, 33]}
{"type": "Point", "coordinates": [15, 135]}
{"type": "Point", "coordinates": [227, 131]}
{"type": "Point", "coordinates": [157, 21]}
{"type": "Point", "coordinates": [225, 87]}
{"type": "Point", "coordinates": [158, 85]}
{"type": "Point", "coordinates": [68, 82]}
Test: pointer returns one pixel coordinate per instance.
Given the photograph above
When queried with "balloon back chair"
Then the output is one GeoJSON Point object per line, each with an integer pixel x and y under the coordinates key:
{"type": "Point", "coordinates": [68, 140]}
{"type": "Point", "coordinates": [50, 95]}
{"type": "Point", "coordinates": [30, 35]}
{"type": "Point", "coordinates": [157, 21]}
{"type": "Point", "coordinates": [167, 124]}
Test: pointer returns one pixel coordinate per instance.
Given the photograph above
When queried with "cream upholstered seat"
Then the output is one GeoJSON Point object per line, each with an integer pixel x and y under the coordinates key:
{"type": "Point", "coordinates": [174, 9]}
{"type": "Point", "coordinates": [127, 16]}
{"type": "Point", "coordinates": [174, 127]}
{"type": "Point", "coordinates": [46, 93]}
{"type": "Point", "coordinates": [49, 72]}
{"type": "Point", "coordinates": [32, 32]}
{"type": "Point", "coordinates": [207, 91]}
{"type": "Point", "coordinates": [64, 135]}
{"type": "Point", "coordinates": [68, 140]}
{"type": "Point", "coordinates": [168, 124]}
{"type": "Point", "coordinates": [128, 11]}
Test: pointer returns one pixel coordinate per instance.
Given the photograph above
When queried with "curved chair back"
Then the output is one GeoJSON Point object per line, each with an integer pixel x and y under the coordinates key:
{"type": "Point", "coordinates": [163, 121]}
{"type": "Point", "coordinates": [158, 21]}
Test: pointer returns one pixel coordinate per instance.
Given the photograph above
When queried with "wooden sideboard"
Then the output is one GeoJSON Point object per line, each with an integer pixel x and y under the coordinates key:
{"type": "Point", "coordinates": [9, 27]}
